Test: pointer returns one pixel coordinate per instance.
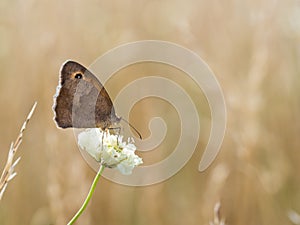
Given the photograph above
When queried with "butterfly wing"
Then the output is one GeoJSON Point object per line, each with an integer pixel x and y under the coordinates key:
{"type": "Point", "coordinates": [81, 101]}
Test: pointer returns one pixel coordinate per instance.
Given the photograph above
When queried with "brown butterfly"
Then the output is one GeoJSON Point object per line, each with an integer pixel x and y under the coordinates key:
{"type": "Point", "coordinates": [81, 101]}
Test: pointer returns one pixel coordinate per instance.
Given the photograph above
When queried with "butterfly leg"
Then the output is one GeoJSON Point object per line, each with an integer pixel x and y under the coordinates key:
{"type": "Point", "coordinates": [116, 130]}
{"type": "Point", "coordinates": [102, 138]}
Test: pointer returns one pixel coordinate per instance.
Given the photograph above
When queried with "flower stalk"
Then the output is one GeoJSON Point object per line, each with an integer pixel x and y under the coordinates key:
{"type": "Point", "coordinates": [88, 197]}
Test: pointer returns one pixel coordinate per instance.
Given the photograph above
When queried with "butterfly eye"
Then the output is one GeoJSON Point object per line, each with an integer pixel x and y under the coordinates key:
{"type": "Point", "coordinates": [78, 76]}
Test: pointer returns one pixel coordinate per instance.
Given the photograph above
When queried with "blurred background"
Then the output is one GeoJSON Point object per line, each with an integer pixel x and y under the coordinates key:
{"type": "Point", "coordinates": [253, 47]}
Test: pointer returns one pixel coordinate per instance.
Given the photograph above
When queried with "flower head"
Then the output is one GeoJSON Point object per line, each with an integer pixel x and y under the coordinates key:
{"type": "Point", "coordinates": [109, 149]}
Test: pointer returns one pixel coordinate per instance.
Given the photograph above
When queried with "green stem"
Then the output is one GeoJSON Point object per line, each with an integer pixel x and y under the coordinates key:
{"type": "Point", "coordinates": [88, 197]}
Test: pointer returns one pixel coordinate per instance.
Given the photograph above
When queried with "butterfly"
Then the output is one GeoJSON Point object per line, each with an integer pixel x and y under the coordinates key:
{"type": "Point", "coordinates": [81, 101]}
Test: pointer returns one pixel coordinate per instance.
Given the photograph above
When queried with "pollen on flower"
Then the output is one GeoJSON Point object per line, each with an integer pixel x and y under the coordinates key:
{"type": "Point", "coordinates": [109, 149]}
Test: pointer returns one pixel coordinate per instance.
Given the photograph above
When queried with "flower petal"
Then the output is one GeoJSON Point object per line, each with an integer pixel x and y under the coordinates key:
{"type": "Point", "coordinates": [113, 152]}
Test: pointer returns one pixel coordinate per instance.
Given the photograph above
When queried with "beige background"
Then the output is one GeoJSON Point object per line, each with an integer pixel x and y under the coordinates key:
{"type": "Point", "coordinates": [253, 48]}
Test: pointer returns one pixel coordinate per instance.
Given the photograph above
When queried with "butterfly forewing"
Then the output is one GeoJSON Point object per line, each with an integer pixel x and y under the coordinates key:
{"type": "Point", "coordinates": [81, 100]}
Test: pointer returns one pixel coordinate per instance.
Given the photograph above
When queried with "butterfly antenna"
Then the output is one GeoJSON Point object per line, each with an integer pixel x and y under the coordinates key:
{"type": "Point", "coordinates": [139, 134]}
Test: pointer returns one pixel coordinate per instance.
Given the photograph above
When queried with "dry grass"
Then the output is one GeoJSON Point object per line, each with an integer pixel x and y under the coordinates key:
{"type": "Point", "coordinates": [8, 171]}
{"type": "Point", "coordinates": [218, 220]}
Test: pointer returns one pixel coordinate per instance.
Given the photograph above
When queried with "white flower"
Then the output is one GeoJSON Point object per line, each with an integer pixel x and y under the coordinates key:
{"type": "Point", "coordinates": [110, 150]}
{"type": "Point", "coordinates": [90, 141]}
